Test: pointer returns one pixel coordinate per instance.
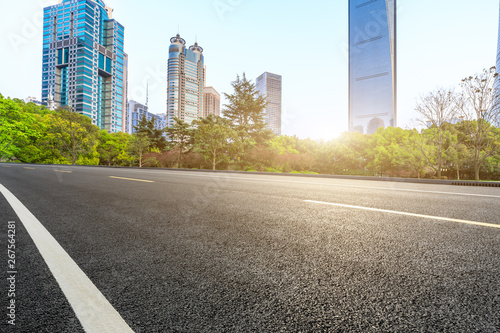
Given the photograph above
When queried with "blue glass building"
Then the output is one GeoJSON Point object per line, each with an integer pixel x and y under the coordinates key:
{"type": "Point", "coordinates": [186, 81]}
{"type": "Point", "coordinates": [269, 86]}
{"type": "Point", "coordinates": [372, 65]}
{"type": "Point", "coordinates": [84, 64]}
{"type": "Point", "coordinates": [497, 81]}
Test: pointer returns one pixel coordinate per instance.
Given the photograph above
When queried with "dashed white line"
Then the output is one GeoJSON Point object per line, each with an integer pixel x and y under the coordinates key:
{"type": "Point", "coordinates": [482, 224]}
{"type": "Point", "coordinates": [337, 185]}
{"type": "Point", "coordinates": [132, 179]}
{"type": "Point", "coordinates": [93, 310]}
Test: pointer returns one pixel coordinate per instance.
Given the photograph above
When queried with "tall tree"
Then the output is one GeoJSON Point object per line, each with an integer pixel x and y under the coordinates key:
{"type": "Point", "coordinates": [181, 137]}
{"type": "Point", "coordinates": [74, 135]}
{"type": "Point", "coordinates": [18, 130]}
{"type": "Point", "coordinates": [113, 147]}
{"type": "Point", "coordinates": [386, 153]}
{"type": "Point", "coordinates": [215, 138]}
{"type": "Point", "coordinates": [155, 135]}
{"type": "Point", "coordinates": [436, 110]}
{"type": "Point", "coordinates": [480, 109]}
{"type": "Point", "coordinates": [245, 110]}
{"type": "Point", "coordinates": [138, 146]}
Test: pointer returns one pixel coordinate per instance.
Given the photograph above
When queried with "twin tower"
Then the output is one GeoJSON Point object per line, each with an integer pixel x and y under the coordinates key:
{"type": "Point", "coordinates": [186, 81]}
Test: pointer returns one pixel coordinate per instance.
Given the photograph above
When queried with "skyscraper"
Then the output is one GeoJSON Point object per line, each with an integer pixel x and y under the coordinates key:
{"type": "Point", "coordinates": [211, 102]}
{"type": "Point", "coordinates": [269, 85]}
{"type": "Point", "coordinates": [372, 65]}
{"type": "Point", "coordinates": [497, 81]}
{"type": "Point", "coordinates": [84, 64]}
{"type": "Point", "coordinates": [186, 81]}
{"type": "Point", "coordinates": [136, 111]}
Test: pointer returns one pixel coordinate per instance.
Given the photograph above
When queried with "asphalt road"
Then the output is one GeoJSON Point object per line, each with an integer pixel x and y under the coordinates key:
{"type": "Point", "coordinates": [203, 252]}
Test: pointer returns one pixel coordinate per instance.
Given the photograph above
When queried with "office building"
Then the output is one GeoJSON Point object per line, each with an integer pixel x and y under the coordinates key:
{"type": "Point", "coordinates": [270, 85]}
{"type": "Point", "coordinates": [136, 111]}
{"type": "Point", "coordinates": [372, 65]}
{"type": "Point", "coordinates": [496, 102]}
{"type": "Point", "coordinates": [32, 99]}
{"type": "Point", "coordinates": [211, 102]}
{"type": "Point", "coordinates": [84, 64]}
{"type": "Point", "coordinates": [186, 81]}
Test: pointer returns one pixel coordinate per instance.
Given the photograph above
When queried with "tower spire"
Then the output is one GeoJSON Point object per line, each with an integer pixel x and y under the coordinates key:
{"type": "Point", "coordinates": [147, 93]}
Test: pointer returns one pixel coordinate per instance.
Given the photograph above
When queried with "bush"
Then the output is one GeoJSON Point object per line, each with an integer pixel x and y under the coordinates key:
{"type": "Point", "coordinates": [274, 170]}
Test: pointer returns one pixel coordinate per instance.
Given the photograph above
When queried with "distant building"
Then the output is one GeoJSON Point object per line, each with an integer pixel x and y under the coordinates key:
{"type": "Point", "coordinates": [136, 111]}
{"type": "Point", "coordinates": [497, 80]}
{"type": "Point", "coordinates": [125, 91]}
{"type": "Point", "coordinates": [211, 102]}
{"type": "Point", "coordinates": [186, 81]}
{"type": "Point", "coordinates": [270, 85]}
{"type": "Point", "coordinates": [372, 65]}
{"type": "Point", "coordinates": [84, 63]}
{"type": "Point", "coordinates": [32, 100]}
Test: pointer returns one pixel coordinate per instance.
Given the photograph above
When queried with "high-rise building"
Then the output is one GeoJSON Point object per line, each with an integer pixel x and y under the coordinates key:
{"type": "Point", "coordinates": [372, 65]}
{"type": "Point", "coordinates": [84, 63]}
{"type": "Point", "coordinates": [186, 81]}
{"type": "Point", "coordinates": [211, 102]}
{"type": "Point", "coordinates": [31, 99]}
{"type": "Point", "coordinates": [269, 85]}
{"type": "Point", "coordinates": [125, 91]}
{"type": "Point", "coordinates": [497, 80]}
{"type": "Point", "coordinates": [136, 111]}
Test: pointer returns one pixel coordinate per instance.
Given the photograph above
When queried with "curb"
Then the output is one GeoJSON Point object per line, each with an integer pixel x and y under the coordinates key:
{"type": "Point", "coordinates": [482, 184]}
{"type": "Point", "coordinates": [370, 178]}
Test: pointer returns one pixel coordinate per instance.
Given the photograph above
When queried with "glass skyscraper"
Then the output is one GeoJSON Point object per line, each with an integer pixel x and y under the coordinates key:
{"type": "Point", "coordinates": [186, 81]}
{"type": "Point", "coordinates": [84, 64]}
{"type": "Point", "coordinates": [497, 81]}
{"type": "Point", "coordinates": [269, 85]}
{"type": "Point", "coordinates": [372, 65]}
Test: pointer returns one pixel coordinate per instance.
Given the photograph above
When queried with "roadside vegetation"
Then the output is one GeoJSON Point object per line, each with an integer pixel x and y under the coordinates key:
{"type": "Point", "coordinates": [458, 138]}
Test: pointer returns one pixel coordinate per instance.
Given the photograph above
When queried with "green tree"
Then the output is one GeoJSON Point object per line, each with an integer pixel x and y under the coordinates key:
{"type": "Point", "coordinates": [479, 108]}
{"type": "Point", "coordinates": [74, 136]}
{"type": "Point", "coordinates": [181, 137]}
{"type": "Point", "coordinates": [155, 135]}
{"type": "Point", "coordinates": [284, 144]}
{"type": "Point", "coordinates": [387, 154]}
{"type": "Point", "coordinates": [112, 148]}
{"type": "Point", "coordinates": [458, 156]}
{"type": "Point", "coordinates": [412, 154]}
{"type": "Point", "coordinates": [437, 109]}
{"type": "Point", "coordinates": [138, 146]}
{"type": "Point", "coordinates": [214, 138]}
{"type": "Point", "coordinates": [19, 129]}
{"type": "Point", "coordinates": [245, 110]}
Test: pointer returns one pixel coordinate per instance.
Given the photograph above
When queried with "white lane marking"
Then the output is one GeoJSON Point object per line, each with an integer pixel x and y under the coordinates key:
{"type": "Point", "coordinates": [93, 310]}
{"type": "Point", "coordinates": [132, 179]}
{"type": "Point", "coordinates": [63, 171]}
{"type": "Point", "coordinates": [29, 168]}
{"type": "Point", "coordinates": [341, 185]}
{"type": "Point", "coordinates": [482, 224]}
{"type": "Point", "coordinates": [229, 176]}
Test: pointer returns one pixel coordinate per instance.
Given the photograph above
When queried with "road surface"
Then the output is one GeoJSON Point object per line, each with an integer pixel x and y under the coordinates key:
{"type": "Point", "coordinates": [178, 251]}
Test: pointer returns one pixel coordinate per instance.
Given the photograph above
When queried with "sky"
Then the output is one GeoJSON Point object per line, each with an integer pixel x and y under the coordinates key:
{"type": "Point", "coordinates": [439, 43]}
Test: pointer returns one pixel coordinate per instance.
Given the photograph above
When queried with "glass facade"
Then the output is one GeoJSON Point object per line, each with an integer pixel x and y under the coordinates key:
{"type": "Point", "coordinates": [497, 81]}
{"type": "Point", "coordinates": [186, 81]}
{"type": "Point", "coordinates": [84, 63]}
{"type": "Point", "coordinates": [136, 111]}
{"type": "Point", "coordinates": [372, 65]}
{"type": "Point", "coordinates": [269, 85]}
